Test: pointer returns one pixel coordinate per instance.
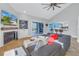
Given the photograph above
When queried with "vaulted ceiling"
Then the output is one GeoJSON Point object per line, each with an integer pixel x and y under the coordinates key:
{"type": "Point", "coordinates": [36, 9]}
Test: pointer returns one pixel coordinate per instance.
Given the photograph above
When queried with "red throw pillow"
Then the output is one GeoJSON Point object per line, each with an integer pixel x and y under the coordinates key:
{"type": "Point", "coordinates": [52, 38]}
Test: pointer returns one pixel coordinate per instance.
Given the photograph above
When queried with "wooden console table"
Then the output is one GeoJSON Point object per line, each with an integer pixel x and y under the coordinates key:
{"type": "Point", "coordinates": [12, 44]}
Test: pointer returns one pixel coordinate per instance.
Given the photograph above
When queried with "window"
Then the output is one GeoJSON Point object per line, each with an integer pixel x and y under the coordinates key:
{"type": "Point", "coordinates": [53, 26]}
{"type": "Point", "coordinates": [37, 28]}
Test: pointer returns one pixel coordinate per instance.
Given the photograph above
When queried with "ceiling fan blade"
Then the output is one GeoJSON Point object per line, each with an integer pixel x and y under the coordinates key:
{"type": "Point", "coordinates": [52, 5]}
{"type": "Point", "coordinates": [45, 7]}
{"type": "Point", "coordinates": [49, 8]}
{"type": "Point", "coordinates": [58, 6]}
{"type": "Point", "coordinates": [53, 8]}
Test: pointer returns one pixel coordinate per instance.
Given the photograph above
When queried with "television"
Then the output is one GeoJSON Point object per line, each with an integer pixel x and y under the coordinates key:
{"type": "Point", "coordinates": [9, 36]}
{"type": "Point", "coordinates": [8, 19]}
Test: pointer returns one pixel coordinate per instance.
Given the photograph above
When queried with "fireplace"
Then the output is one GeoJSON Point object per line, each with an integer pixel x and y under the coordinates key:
{"type": "Point", "coordinates": [9, 36]}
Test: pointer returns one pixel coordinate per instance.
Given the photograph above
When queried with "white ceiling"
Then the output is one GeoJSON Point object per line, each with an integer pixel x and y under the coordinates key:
{"type": "Point", "coordinates": [36, 9]}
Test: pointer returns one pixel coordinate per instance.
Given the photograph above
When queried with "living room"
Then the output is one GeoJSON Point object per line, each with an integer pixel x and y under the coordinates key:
{"type": "Point", "coordinates": [23, 23]}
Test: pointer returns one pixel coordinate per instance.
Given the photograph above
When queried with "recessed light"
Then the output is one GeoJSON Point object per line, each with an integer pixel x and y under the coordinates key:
{"type": "Point", "coordinates": [24, 11]}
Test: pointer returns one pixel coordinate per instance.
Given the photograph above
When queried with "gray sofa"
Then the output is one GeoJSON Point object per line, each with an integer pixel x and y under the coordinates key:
{"type": "Point", "coordinates": [66, 41]}
{"type": "Point", "coordinates": [53, 50]}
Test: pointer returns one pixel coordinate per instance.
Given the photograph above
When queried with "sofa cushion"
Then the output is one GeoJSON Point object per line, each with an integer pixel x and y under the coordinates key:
{"type": "Point", "coordinates": [66, 41]}
{"type": "Point", "coordinates": [46, 50]}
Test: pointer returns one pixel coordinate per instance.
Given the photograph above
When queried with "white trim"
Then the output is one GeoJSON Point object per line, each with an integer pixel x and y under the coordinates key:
{"type": "Point", "coordinates": [78, 31]}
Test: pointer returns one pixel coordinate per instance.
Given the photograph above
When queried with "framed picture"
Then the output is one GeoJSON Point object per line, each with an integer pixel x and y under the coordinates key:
{"type": "Point", "coordinates": [23, 24]}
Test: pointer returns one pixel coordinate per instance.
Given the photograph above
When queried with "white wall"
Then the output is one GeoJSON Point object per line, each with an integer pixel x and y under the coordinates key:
{"type": "Point", "coordinates": [78, 30]}
{"type": "Point", "coordinates": [2, 7]}
{"type": "Point", "coordinates": [30, 19]}
{"type": "Point", "coordinates": [38, 20]}
{"type": "Point", "coordinates": [1, 39]}
{"type": "Point", "coordinates": [21, 32]}
{"type": "Point", "coordinates": [69, 16]}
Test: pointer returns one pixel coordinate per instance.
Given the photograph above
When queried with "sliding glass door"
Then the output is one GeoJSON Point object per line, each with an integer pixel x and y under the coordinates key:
{"type": "Point", "coordinates": [40, 28]}
{"type": "Point", "coordinates": [37, 28]}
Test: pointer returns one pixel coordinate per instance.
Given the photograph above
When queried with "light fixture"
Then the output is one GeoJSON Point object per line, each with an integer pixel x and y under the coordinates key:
{"type": "Point", "coordinates": [24, 11]}
{"type": "Point", "coordinates": [52, 5]}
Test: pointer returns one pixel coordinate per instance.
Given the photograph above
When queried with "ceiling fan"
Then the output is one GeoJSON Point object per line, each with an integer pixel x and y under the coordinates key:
{"type": "Point", "coordinates": [52, 5]}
